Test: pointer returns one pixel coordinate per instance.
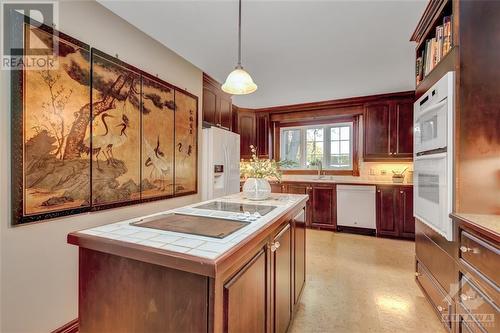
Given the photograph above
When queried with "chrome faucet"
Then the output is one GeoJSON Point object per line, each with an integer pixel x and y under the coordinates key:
{"type": "Point", "coordinates": [320, 169]}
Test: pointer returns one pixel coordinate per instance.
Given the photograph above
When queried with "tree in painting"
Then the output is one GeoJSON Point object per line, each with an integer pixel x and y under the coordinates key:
{"type": "Point", "coordinates": [52, 97]}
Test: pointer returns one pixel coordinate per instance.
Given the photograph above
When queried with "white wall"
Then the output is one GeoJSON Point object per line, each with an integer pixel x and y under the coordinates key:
{"type": "Point", "coordinates": [38, 269]}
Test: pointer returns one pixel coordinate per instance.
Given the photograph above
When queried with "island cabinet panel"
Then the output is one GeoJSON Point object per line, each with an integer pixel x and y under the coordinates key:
{"type": "Point", "coordinates": [117, 294]}
{"type": "Point", "coordinates": [282, 277]}
{"type": "Point", "coordinates": [245, 297]}
{"type": "Point", "coordinates": [323, 207]}
{"type": "Point", "coordinates": [299, 250]}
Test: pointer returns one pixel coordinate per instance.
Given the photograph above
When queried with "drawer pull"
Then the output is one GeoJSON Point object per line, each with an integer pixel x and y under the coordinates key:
{"type": "Point", "coordinates": [465, 249]}
{"type": "Point", "coordinates": [440, 308]}
{"type": "Point", "coordinates": [465, 298]}
{"type": "Point", "coordinates": [417, 274]}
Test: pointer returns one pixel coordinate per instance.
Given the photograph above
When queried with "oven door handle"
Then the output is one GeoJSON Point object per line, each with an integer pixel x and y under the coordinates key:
{"type": "Point", "coordinates": [430, 157]}
{"type": "Point", "coordinates": [431, 108]}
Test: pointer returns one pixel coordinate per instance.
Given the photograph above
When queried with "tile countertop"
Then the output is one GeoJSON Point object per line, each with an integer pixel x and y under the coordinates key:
{"type": "Point", "coordinates": [199, 246]}
{"type": "Point", "coordinates": [486, 222]}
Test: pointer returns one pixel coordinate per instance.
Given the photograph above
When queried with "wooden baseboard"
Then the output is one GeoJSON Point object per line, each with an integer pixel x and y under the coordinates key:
{"type": "Point", "coordinates": [71, 327]}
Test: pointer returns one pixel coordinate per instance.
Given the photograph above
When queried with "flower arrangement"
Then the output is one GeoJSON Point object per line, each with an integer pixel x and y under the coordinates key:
{"type": "Point", "coordinates": [262, 167]}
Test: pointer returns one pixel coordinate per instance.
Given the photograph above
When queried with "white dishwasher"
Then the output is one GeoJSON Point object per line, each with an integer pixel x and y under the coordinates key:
{"type": "Point", "coordinates": [356, 206]}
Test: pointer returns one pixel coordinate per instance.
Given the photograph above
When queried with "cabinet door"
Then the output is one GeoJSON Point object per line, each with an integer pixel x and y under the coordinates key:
{"type": "Point", "coordinates": [226, 112]}
{"type": "Point", "coordinates": [386, 222]}
{"type": "Point", "coordinates": [245, 311]}
{"type": "Point", "coordinates": [246, 129]}
{"type": "Point", "coordinates": [323, 207]}
{"type": "Point", "coordinates": [282, 271]}
{"type": "Point", "coordinates": [299, 248]}
{"type": "Point", "coordinates": [404, 212]}
{"type": "Point", "coordinates": [278, 188]}
{"type": "Point", "coordinates": [210, 106]}
{"type": "Point", "coordinates": [377, 131]}
{"type": "Point", "coordinates": [262, 125]}
{"type": "Point", "coordinates": [402, 130]}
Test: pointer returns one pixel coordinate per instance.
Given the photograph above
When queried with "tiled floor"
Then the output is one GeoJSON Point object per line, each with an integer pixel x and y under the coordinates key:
{"type": "Point", "coordinates": [361, 284]}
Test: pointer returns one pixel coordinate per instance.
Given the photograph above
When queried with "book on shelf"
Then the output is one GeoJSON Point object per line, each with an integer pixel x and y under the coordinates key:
{"type": "Point", "coordinates": [447, 36]}
{"type": "Point", "coordinates": [435, 49]}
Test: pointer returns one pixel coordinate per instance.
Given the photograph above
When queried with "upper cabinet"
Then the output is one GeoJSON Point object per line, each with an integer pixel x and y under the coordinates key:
{"type": "Point", "coordinates": [388, 129]}
{"type": "Point", "coordinates": [246, 129]}
{"type": "Point", "coordinates": [217, 105]}
{"type": "Point", "coordinates": [262, 134]}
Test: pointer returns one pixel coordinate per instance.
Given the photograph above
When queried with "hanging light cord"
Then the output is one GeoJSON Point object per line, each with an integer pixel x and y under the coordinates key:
{"type": "Point", "coordinates": [239, 35]}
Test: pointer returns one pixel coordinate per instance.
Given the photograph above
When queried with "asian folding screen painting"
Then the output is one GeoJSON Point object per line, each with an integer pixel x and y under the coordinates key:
{"type": "Point", "coordinates": [94, 132]}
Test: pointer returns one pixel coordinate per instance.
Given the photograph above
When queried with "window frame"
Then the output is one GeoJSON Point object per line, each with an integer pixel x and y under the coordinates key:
{"type": "Point", "coordinates": [325, 123]}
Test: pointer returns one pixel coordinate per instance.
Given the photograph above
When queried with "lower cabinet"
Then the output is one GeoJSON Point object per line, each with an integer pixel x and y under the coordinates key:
{"type": "Point", "coordinates": [323, 207]}
{"type": "Point", "coordinates": [282, 272]}
{"type": "Point", "coordinates": [299, 250]}
{"type": "Point", "coordinates": [441, 302]}
{"type": "Point", "coordinates": [246, 311]}
{"type": "Point", "coordinates": [394, 209]}
{"type": "Point", "coordinates": [261, 295]}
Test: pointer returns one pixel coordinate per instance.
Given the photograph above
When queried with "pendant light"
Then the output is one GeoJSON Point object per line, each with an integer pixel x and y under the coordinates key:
{"type": "Point", "coordinates": [239, 82]}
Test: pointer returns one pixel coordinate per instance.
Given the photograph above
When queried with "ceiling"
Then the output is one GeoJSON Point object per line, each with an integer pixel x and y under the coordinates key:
{"type": "Point", "coordinates": [296, 51]}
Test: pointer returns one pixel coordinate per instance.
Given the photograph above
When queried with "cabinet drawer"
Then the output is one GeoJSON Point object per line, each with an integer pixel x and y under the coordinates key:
{"type": "Point", "coordinates": [468, 325]}
{"type": "Point", "coordinates": [436, 295]}
{"type": "Point", "coordinates": [481, 256]}
{"type": "Point", "coordinates": [479, 305]}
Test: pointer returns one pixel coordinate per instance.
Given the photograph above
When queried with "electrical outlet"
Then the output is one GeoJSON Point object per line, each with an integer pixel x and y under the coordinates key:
{"type": "Point", "coordinates": [383, 172]}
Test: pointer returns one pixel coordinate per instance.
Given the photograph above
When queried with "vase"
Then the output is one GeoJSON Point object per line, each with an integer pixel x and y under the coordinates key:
{"type": "Point", "coordinates": [256, 189]}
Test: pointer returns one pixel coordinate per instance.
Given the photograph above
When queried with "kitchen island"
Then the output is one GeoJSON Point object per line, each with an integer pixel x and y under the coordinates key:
{"type": "Point", "coordinates": [134, 277]}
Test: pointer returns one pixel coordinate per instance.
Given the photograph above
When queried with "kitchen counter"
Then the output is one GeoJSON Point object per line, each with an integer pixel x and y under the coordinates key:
{"type": "Point", "coordinates": [488, 224]}
{"type": "Point", "coordinates": [205, 251]}
{"type": "Point", "coordinates": [345, 180]}
{"type": "Point", "coordinates": [137, 279]}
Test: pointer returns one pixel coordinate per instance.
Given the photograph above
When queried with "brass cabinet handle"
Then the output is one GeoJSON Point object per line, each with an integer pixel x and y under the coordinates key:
{"type": "Point", "coordinates": [464, 297]}
{"type": "Point", "coordinates": [417, 274]}
{"type": "Point", "coordinates": [401, 192]}
{"type": "Point", "coordinates": [440, 308]}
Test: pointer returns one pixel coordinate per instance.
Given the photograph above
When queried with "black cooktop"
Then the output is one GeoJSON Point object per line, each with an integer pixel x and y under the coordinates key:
{"type": "Point", "coordinates": [236, 207]}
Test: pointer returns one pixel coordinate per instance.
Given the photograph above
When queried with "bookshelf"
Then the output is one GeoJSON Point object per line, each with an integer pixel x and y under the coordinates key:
{"type": "Point", "coordinates": [434, 38]}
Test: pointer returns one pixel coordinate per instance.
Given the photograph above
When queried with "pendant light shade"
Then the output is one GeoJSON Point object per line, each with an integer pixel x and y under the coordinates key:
{"type": "Point", "coordinates": [239, 82]}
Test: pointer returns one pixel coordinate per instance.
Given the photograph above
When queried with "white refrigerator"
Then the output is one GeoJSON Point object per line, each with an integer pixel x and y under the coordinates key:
{"type": "Point", "coordinates": [220, 163]}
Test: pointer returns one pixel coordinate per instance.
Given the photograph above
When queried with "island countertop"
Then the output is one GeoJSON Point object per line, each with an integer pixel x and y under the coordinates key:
{"type": "Point", "coordinates": [192, 253]}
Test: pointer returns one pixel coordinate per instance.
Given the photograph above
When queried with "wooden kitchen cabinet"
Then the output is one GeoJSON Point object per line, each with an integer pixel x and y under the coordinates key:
{"type": "Point", "coordinates": [404, 211]}
{"type": "Point", "coordinates": [385, 210]}
{"type": "Point", "coordinates": [299, 250]}
{"type": "Point", "coordinates": [394, 211]}
{"type": "Point", "coordinates": [281, 250]}
{"type": "Point", "coordinates": [323, 207]}
{"type": "Point", "coordinates": [246, 130]}
{"type": "Point", "coordinates": [388, 130]}
{"type": "Point", "coordinates": [244, 311]}
{"type": "Point", "coordinates": [262, 134]}
{"type": "Point", "coordinates": [217, 105]}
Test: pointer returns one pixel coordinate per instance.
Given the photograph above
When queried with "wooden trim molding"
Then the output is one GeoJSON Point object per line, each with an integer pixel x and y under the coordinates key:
{"type": "Point", "coordinates": [334, 103]}
{"type": "Point", "coordinates": [71, 327]}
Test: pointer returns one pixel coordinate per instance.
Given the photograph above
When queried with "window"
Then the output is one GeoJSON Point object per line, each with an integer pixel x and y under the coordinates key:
{"type": "Point", "coordinates": [331, 145]}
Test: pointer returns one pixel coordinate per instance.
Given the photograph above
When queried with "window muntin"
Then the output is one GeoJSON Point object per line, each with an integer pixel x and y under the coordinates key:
{"type": "Point", "coordinates": [330, 144]}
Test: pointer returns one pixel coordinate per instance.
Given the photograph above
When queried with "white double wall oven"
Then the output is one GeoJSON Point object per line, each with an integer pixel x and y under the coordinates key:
{"type": "Point", "coordinates": [433, 156]}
